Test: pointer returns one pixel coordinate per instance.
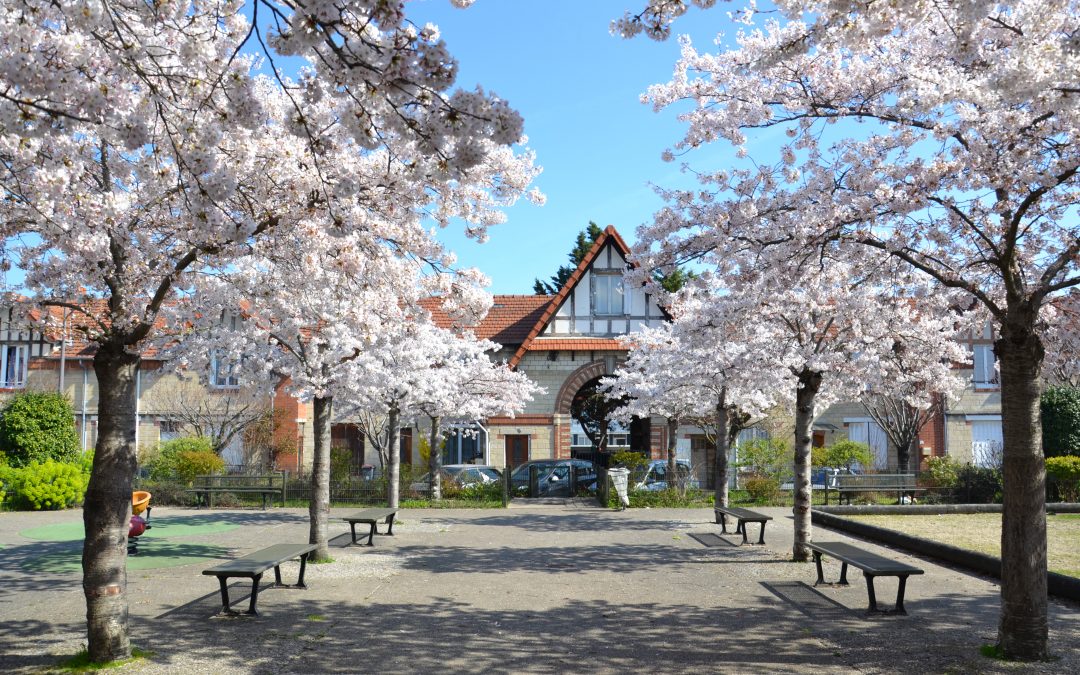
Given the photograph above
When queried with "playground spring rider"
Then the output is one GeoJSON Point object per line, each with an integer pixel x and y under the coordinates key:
{"type": "Point", "coordinates": [140, 503]}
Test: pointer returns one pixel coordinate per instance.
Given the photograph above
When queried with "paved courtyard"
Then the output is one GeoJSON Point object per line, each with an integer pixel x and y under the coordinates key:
{"type": "Point", "coordinates": [545, 588]}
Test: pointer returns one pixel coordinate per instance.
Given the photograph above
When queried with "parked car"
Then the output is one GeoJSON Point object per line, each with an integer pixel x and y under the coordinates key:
{"type": "Point", "coordinates": [458, 475]}
{"type": "Point", "coordinates": [819, 477]}
{"type": "Point", "coordinates": [553, 476]}
{"type": "Point", "coordinates": [654, 475]}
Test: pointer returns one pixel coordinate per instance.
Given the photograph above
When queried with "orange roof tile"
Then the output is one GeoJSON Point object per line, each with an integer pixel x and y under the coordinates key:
{"type": "Point", "coordinates": [577, 344]}
{"type": "Point", "coordinates": [508, 322]}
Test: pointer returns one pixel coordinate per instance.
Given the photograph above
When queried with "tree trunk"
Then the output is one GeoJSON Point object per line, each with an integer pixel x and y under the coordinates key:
{"type": "Point", "coordinates": [1022, 633]}
{"type": "Point", "coordinates": [107, 508]}
{"type": "Point", "coordinates": [904, 454]}
{"type": "Point", "coordinates": [393, 451]}
{"type": "Point", "coordinates": [319, 507]}
{"type": "Point", "coordinates": [809, 383]}
{"type": "Point", "coordinates": [435, 460]}
{"type": "Point", "coordinates": [672, 447]}
{"type": "Point", "coordinates": [721, 472]}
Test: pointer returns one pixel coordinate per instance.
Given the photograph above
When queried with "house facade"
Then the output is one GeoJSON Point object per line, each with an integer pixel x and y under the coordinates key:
{"type": "Point", "coordinates": [564, 342]}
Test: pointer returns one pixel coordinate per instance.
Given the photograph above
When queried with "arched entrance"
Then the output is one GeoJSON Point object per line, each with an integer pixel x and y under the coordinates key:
{"type": "Point", "coordinates": [582, 410]}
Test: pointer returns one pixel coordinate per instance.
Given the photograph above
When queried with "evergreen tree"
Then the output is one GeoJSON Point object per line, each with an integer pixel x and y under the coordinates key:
{"type": "Point", "coordinates": [582, 244]}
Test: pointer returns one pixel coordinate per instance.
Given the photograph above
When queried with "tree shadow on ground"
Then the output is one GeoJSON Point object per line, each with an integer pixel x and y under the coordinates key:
{"type": "Point", "coordinates": [800, 628]}
{"type": "Point", "coordinates": [598, 520]}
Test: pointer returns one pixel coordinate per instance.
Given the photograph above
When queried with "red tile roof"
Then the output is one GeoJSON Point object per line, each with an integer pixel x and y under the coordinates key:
{"type": "Point", "coordinates": [508, 322]}
{"type": "Point", "coordinates": [577, 344]}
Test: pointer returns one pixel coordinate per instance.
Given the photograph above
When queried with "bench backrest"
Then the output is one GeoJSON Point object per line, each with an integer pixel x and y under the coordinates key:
{"type": "Point", "coordinates": [274, 481]}
{"type": "Point", "coordinates": [883, 481]}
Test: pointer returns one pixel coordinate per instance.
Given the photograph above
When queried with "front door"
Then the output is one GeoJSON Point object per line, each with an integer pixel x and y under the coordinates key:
{"type": "Point", "coordinates": [517, 450]}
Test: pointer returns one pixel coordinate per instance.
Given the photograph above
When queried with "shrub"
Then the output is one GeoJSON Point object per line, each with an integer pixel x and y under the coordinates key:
{"type": "Point", "coordinates": [978, 485]}
{"type": "Point", "coordinates": [1066, 473]}
{"type": "Point", "coordinates": [844, 455]}
{"type": "Point", "coordinates": [47, 485]}
{"type": "Point", "coordinates": [185, 458]}
{"type": "Point", "coordinates": [38, 426]}
{"type": "Point", "coordinates": [340, 459]}
{"type": "Point", "coordinates": [941, 472]}
{"type": "Point", "coordinates": [628, 459]}
{"type": "Point", "coordinates": [1060, 408]}
{"type": "Point", "coordinates": [766, 456]}
{"type": "Point", "coordinates": [763, 489]}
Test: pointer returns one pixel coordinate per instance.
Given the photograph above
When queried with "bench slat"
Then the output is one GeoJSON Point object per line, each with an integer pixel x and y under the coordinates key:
{"type": "Point", "coordinates": [742, 514]}
{"type": "Point", "coordinates": [871, 563]}
{"type": "Point", "coordinates": [260, 561]}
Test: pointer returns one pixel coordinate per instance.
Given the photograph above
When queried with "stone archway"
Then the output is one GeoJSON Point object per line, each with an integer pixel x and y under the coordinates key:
{"type": "Point", "coordinates": [577, 379]}
{"type": "Point", "coordinates": [640, 428]}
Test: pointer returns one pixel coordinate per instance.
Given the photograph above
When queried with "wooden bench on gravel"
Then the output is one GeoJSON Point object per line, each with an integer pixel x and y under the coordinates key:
{"type": "Point", "coordinates": [871, 564]}
{"type": "Point", "coordinates": [371, 517]}
{"type": "Point", "coordinates": [253, 565]}
{"type": "Point", "coordinates": [742, 516]}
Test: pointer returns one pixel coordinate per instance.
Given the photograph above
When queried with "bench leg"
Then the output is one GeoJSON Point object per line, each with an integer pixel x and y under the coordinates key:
{"type": "Point", "coordinates": [390, 525]}
{"type": "Point", "coordinates": [254, 595]}
{"type": "Point", "coordinates": [761, 538]}
{"type": "Point", "coordinates": [303, 568]}
{"type": "Point", "coordinates": [371, 534]}
{"type": "Point", "coordinates": [225, 611]}
{"type": "Point", "coordinates": [352, 528]}
{"type": "Point", "coordinates": [820, 575]}
{"type": "Point", "coordinates": [741, 529]}
{"type": "Point", "coordinates": [870, 591]}
{"type": "Point", "coordinates": [843, 574]}
{"type": "Point", "coordinates": [900, 594]}
{"type": "Point", "coordinates": [722, 519]}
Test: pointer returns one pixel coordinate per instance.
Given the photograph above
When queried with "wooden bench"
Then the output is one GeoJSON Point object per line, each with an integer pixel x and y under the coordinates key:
{"type": "Point", "coordinates": [743, 516]}
{"type": "Point", "coordinates": [253, 565]}
{"type": "Point", "coordinates": [871, 564]}
{"type": "Point", "coordinates": [901, 483]}
{"type": "Point", "coordinates": [371, 517]}
{"type": "Point", "coordinates": [267, 485]}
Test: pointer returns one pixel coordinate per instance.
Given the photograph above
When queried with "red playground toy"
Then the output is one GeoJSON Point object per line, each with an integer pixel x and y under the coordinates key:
{"type": "Point", "coordinates": [140, 503]}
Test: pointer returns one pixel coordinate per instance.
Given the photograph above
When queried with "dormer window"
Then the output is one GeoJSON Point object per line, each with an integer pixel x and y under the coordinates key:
{"type": "Point", "coordinates": [222, 369]}
{"type": "Point", "coordinates": [222, 372]}
{"type": "Point", "coordinates": [985, 364]}
{"type": "Point", "coordinates": [608, 294]}
{"type": "Point", "coordinates": [13, 366]}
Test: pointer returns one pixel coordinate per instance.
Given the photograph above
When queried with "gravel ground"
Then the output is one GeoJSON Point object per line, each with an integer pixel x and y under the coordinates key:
{"type": "Point", "coordinates": [553, 588]}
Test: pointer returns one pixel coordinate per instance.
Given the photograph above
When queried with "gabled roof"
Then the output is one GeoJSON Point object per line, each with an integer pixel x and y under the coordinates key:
{"type": "Point", "coordinates": [609, 235]}
{"type": "Point", "coordinates": [508, 322]}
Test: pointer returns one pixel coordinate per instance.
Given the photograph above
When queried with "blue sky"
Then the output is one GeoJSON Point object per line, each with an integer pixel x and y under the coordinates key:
{"type": "Point", "coordinates": [578, 88]}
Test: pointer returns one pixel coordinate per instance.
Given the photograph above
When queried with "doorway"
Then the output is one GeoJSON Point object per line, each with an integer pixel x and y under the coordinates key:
{"type": "Point", "coordinates": [517, 450]}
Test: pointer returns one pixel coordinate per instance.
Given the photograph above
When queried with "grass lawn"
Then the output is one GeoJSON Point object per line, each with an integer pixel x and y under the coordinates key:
{"type": "Point", "coordinates": [982, 532]}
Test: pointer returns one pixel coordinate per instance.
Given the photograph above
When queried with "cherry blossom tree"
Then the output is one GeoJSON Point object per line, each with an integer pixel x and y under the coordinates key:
{"type": "Point", "coordinates": [137, 147]}
{"type": "Point", "coordinates": [964, 167]}
{"type": "Point", "coordinates": [701, 366]}
{"type": "Point", "coordinates": [465, 383]}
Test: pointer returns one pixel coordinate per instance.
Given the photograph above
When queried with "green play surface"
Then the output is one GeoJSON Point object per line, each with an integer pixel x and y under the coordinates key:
{"type": "Point", "coordinates": [165, 527]}
{"type": "Point", "coordinates": [152, 555]}
{"type": "Point", "coordinates": [155, 551]}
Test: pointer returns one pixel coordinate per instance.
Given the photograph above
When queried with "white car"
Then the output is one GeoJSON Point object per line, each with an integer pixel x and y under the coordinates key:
{"type": "Point", "coordinates": [653, 477]}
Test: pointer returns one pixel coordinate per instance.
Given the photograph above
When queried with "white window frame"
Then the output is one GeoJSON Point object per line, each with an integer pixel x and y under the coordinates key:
{"type": "Point", "coordinates": [610, 287]}
{"type": "Point", "coordinates": [984, 373]}
{"type": "Point", "coordinates": [222, 376]}
{"type": "Point", "coordinates": [21, 353]}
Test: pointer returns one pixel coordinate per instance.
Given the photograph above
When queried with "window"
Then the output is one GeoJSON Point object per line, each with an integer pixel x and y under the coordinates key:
{"type": "Point", "coordinates": [985, 375]}
{"type": "Point", "coordinates": [222, 373]}
{"type": "Point", "coordinates": [13, 366]}
{"type": "Point", "coordinates": [607, 294]}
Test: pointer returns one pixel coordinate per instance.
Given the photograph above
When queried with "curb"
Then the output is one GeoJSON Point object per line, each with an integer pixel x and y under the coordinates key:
{"type": "Point", "coordinates": [1059, 585]}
